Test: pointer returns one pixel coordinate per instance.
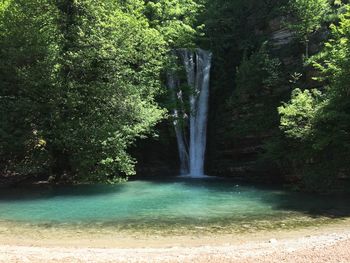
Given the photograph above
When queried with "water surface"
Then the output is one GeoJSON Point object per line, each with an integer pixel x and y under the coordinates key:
{"type": "Point", "coordinates": [179, 203]}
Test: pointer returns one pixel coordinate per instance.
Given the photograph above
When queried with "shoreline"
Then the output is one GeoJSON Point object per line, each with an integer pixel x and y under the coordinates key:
{"type": "Point", "coordinates": [328, 243]}
{"type": "Point", "coordinates": [109, 237]}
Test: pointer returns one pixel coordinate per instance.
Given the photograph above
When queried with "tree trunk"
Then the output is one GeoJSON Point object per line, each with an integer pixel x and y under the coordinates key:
{"type": "Point", "coordinates": [306, 47]}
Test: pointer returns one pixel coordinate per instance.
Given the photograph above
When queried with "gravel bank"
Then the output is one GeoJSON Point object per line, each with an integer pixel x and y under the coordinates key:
{"type": "Point", "coordinates": [327, 247]}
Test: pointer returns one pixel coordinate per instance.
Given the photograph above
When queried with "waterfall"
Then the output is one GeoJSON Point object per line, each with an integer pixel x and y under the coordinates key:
{"type": "Point", "coordinates": [197, 66]}
{"type": "Point", "coordinates": [173, 84]}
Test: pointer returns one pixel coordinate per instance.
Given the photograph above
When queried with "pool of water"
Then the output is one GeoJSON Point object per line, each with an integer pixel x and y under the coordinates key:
{"type": "Point", "coordinates": [156, 204]}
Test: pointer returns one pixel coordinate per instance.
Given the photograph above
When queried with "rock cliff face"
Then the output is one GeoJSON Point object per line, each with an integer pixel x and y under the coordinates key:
{"type": "Point", "coordinates": [238, 133]}
{"type": "Point", "coordinates": [157, 156]}
{"type": "Point", "coordinates": [238, 130]}
{"type": "Point", "coordinates": [279, 35]}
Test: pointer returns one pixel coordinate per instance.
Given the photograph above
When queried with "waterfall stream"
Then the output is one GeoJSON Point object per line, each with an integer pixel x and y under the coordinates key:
{"type": "Point", "coordinates": [197, 66]}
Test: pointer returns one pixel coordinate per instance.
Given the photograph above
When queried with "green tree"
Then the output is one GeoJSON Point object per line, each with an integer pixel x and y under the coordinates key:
{"type": "Point", "coordinates": [298, 114]}
{"type": "Point", "coordinates": [257, 74]}
{"type": "Point", "coordinates": [80, 83]}
{"type": "Point", "coordinates": [112, 70]}
{"type": "Point", "coordinates": [28, 51]}
{"type": "Point", "coordinates": [308, 17]}
{"type": "Point", "coordinates": [176, 20]}
{"type": "Point", "coordinates": [317, 123]}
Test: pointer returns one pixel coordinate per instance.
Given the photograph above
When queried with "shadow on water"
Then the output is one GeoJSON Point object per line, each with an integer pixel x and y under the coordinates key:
{"type": "Point", "coordinates": [311, 204]}
{"type": "Point", "coordinates": [314, 205]}
{"type": "Point", "coordinates": [37, 192]}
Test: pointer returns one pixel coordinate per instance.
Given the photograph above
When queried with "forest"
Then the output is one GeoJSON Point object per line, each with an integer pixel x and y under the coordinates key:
{"type": "Point", "coordinates": [84, 99]}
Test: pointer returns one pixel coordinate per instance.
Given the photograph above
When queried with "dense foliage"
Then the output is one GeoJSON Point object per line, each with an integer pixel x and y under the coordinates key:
{"type": "Point", "coordinates": [79, 81]}
{"type": "Point", "coordinates": [257, 74]}
{"type": "Point", "coordinates": [258, 53]}
{"type": "Point", "coordinates": [319, 120]}
{"type": "Point", "coordinates": [308, 16]}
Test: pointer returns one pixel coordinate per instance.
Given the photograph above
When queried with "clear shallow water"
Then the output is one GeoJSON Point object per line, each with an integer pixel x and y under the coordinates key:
{"type": "Point", "coordinates": [180, 202]}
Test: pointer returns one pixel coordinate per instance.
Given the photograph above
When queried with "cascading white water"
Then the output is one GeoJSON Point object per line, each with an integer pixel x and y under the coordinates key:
{"type": "Point", "coordinates": [173, 84]}
{"type": "Point", "coordinates": [197, 65]}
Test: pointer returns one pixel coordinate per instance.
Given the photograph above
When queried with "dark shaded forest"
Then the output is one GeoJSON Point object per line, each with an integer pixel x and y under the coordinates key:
{"type": "Point", "coordinates": [83, 95]}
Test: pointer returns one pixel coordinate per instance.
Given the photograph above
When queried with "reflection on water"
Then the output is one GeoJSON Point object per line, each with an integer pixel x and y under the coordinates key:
{"type": "Point", "coordinates": [161, 204]}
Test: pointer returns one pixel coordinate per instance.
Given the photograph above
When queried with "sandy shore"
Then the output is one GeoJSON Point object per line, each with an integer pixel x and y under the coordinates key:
{"type": "Point", "coordinates": [330, 243]}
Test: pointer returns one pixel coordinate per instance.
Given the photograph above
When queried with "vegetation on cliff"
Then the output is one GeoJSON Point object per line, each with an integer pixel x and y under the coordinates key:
{"type": "Point", "coordinates": [317, 121]}
{"type": "Point", "coordinates": [271, 84]}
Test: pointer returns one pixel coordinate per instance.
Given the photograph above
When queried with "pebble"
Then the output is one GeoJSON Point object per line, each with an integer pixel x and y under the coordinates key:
{"type": "Point", "coordinates": [273, 241]}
